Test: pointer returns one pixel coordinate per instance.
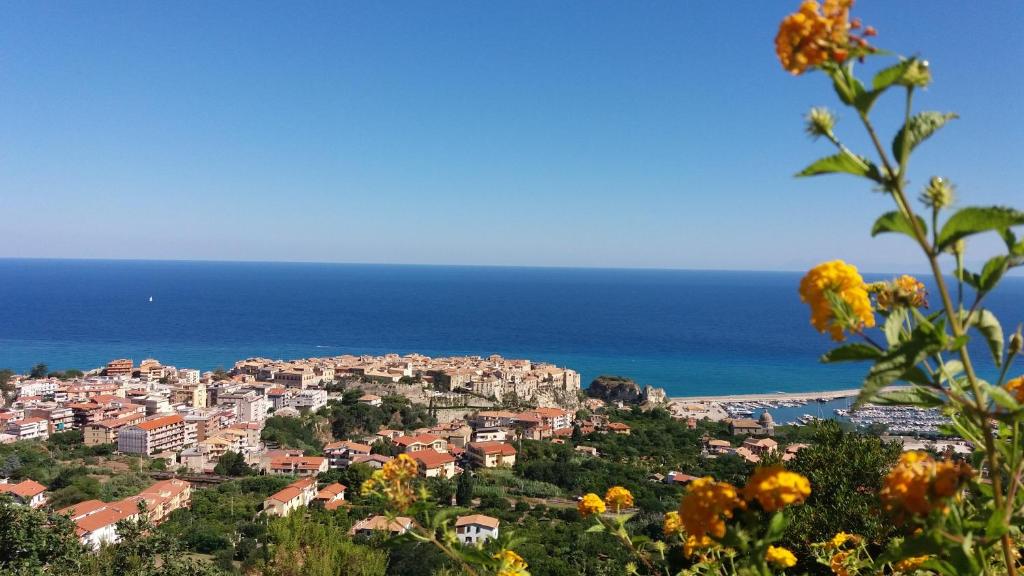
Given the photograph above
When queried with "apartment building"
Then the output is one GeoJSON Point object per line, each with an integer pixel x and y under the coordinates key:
{"type": "Point", "coordinates": [296, 495]}
{"type": "Point", "coordinates": [30, 428]}
{"type": "Point", "coordinates": [120, 367]}
{"type": "Point", "coordinates": [106, 431]}
{"type": "Point", "coordinates": [491, 454]}
{"type": "Point", "coordinates": [161, 434]}
{"type": "Point", "coordinates": [297, 465]}
{"type": "Point", "coordinates": [96, 521]}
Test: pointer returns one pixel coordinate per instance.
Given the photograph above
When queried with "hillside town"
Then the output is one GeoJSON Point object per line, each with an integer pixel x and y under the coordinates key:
{"type": "Point", "coordinates": [185, 423]}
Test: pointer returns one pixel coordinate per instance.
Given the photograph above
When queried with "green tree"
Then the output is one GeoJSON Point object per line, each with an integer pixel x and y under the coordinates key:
{"type": "Point", "coordinates": [39, 371]}
{"type": "Point", "coordinates": [33, 542]}
{"type": "Point", "coordinates": [464, 490]}
{"type": "Point", "coordinates": [233, 464]}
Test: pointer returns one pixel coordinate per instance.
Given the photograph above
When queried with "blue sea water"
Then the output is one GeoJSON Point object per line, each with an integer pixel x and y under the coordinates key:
{"type": "Point", "coordinates": [692, 332]}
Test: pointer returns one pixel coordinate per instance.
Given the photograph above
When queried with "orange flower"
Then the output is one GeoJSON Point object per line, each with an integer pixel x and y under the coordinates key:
{"type": "Point", "coordinates": [774, 487]}
{"type": "Point", "coordinates": [618, 498]}
{"type": "Point", "coordinates": [814, 34]}
{"type": "Point", "coordinates": [918, 484]}
{"type": "Point", "coordinates": [706, 506]}
{"type": "Point", "coordinates": [590, 504]}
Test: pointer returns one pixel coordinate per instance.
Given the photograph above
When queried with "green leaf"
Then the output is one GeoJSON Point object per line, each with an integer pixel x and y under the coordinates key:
{"type": "Point", "coordinates": [852, 353]}
{"type": "Point", "coordinates": [913, 396]}
{"type": "Point", "coordinates": [901, 362]}
{"type": "Point", "coordinates": [987, 323]}
{"type": "Point", "coordinates": [889, 76]}
{"type": "Point", "coordinates": [843, 163]}
{"type": "Point", "coordinates": [597, 528]}
{"type": "Point", "coordinates": [951, 369]}
{"type": "Point", "coordinates": [776, 527]}
{"type": "Point", "coordinates": [897, 222]}
{"type": "Point", "coordinates": [917, 130]}
{"type": "Point", "coordinates": [1002, 398]}
{"type": "Point", "coordinates": [992, 273]}
{"type": "Point", "coordinates": [997, 525]}
{"type": "Point", "coordinates": [894, 325]}
{"type": "Point", "coordinates": [977, 219]}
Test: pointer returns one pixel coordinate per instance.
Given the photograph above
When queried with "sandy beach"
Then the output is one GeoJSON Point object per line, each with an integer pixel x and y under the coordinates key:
{"type": "Point", "coordinates": [807, 396]}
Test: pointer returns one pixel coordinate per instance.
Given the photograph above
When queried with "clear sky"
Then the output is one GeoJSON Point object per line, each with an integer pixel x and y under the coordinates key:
{"type": "Point", "coordinates": [586, 133]}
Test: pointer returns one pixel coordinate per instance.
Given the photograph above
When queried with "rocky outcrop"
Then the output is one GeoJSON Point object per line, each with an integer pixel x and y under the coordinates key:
{"type": "Point", "coordinates": [625, 390]}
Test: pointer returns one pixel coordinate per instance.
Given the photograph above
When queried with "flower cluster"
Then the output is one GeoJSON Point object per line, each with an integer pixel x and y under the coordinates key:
{"type": "Point", "coordinates": [780, 557]}
{"type": "Point", "coordinates": [618, 498]}
{"type": "Point", "coordinates": [510, 564]}
{"type": "Point", "coordinates": [816, 34]}
{"type": "Point", "coordinates": [838, 298]}
{"type": "Point", "coordinates": [394, 482]}
{"type": "Point", "coordinates": [903, 291]}
{"type": "Point", "coordinates": [590, 504]}
{"type": "Point", "coordinates": [706, 507]}
{"type": "Point", "coordinates": [919, 484]}
{"type": "Point", "coordinates": [774, 488]}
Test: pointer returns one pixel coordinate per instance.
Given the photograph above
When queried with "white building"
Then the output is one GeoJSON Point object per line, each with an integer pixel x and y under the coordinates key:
{"type": "Point", "coordinates": [476, 528]}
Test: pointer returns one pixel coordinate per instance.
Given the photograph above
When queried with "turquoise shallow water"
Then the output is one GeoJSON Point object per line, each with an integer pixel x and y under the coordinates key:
{"type": "Point", "coordinates": [692, 332]}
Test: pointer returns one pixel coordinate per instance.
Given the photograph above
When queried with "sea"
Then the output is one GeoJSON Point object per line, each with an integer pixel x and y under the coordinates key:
{"type": "Point", "coordinates": [690, 332]}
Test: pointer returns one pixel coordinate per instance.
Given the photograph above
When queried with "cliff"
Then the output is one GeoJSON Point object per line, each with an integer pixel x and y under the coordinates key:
{"type": "Point", "coordinates": [625, 390]}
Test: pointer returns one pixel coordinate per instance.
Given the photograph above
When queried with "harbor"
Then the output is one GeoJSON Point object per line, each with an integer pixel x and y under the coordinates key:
{"type": "Point", "coordinates": [801, 409]}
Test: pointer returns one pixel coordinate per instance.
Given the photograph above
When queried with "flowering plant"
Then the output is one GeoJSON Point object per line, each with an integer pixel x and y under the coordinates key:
{"type": "Point", "coordinates": [957, 519]}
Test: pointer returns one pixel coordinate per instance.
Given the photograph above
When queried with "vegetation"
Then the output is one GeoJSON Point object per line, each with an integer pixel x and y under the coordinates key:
{"type": "Point", "coordinates": [304, 432]}
{"type": "Point", "coordinates": [233, 464]}
{"type": "Point", "coordinates": [350, 418]}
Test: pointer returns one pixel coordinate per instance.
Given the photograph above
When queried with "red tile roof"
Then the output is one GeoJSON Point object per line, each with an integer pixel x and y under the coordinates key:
{"type": "Point", "coordinates": [160, 422]}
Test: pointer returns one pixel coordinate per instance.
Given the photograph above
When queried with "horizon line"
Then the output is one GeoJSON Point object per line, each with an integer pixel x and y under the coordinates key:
{"type": "Point", "coordinates": [425, 265]}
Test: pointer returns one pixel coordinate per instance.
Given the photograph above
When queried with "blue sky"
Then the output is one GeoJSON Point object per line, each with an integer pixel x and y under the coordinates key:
{"type": "Point", "coordinates": [588, 133]}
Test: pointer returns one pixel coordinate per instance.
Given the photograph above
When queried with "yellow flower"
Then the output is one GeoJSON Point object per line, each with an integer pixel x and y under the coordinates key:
{"type": "Point", "coordinates": [672, 524]}
{"type": "Point", "coordinates": [918, 484]}
{"type": "Point", "coordinates": [590, 504]}
{"type": "Point", "coordinates": [780, 557]}
{"type": "Point", "coordinates": [908, 565]}
{"type": "Point", "coordinates": [815, 34]}
{"type": "Point", "coordinates": [838, 564]}
{"type": "Point", "coordinates": [393, 482]}
{"type": "Point", "coordinates": [706, 506]}
{"type": "Point", "coordinates": [694, 543]}
{"type": "Point", "coordinates": [839, 281]}
{"type": "Point", "coordinates": [618, 498]}
{"type": "Point", "coordinates": [841, 538]}
{"type": "Point", "coordinates": [511, 564]}
{"type": "Point", "coordinates": [774, 487]}
{"type": "Point", "coordinates": [1016, 388]}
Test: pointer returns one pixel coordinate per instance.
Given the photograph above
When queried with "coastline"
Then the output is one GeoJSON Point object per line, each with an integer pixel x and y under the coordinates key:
{"type": "Point", "coordinates": [805, 396]}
